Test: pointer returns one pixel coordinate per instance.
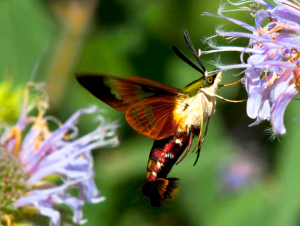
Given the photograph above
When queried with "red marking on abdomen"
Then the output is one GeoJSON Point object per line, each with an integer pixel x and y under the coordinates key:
{"type": "Point", "coordinates": [164, 154]}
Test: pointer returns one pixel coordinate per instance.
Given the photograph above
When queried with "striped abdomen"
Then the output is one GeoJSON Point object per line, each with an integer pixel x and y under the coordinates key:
{"type": "Point", "coordinates": [164, 154]}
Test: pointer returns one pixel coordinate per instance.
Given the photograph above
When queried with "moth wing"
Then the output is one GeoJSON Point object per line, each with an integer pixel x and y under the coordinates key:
{"type": "Point", "coordinates": [153, 117]}
{"type": "Point", "coordinates": [123, 93]}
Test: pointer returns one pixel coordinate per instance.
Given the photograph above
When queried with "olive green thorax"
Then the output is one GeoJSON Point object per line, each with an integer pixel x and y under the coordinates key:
{"type": "Point", "coordinates": [193, 88]}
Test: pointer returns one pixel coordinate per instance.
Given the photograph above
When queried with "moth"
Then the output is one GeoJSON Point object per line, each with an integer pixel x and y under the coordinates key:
{"type": "Point", "coordinates": [171, 117]}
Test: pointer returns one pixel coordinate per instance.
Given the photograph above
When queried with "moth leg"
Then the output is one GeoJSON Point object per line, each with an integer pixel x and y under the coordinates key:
{"type": "Point", "coordinates": [200, 134]}
{"type": "Point", "coordinates": [187, 150]}
{"type": "Point", "coordinates": [200, 145]}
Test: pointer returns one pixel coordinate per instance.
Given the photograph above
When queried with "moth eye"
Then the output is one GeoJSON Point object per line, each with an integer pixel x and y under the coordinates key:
{"type": "Point", "coordinates": [209, 80]}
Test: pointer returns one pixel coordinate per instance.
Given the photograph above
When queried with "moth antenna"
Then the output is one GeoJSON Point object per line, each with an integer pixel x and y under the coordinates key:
{"type": "Point", "coordinates": [185, 59]}
{"type": "Point", "coordinates": [216, 95]}
{"type": "Point", "coordinates": [192, 48]}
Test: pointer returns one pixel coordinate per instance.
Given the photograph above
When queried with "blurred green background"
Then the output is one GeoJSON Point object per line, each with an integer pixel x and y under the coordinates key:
{"type": "Point", "coordinates": [242, 178]}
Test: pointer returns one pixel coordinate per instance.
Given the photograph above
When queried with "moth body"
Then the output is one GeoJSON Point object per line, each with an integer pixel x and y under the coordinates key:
{"type": "Point", "coordinates": [191, 111]}
{"type": "Point", "coordinates": [170, 116]}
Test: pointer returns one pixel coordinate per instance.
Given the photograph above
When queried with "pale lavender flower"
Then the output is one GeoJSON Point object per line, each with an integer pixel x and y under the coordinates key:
{"type": "Point", "coordinates": [238, 171]}
{"type": "Point", "coordinates": [42, 153]}
{"type": "Point", "coordinates": [272, 77]}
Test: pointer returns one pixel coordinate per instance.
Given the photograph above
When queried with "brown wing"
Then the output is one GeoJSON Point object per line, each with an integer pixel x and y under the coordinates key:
{"type": "Point", "coordinates": [122, 93]}
{"type": "Point", "coordinates": [149, 105]}
{"type": "Point", "coordinates": [153, 117]}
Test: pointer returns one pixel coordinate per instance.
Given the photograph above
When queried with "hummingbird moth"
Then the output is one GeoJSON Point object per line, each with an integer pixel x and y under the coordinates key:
{"type": "Point", "coordinates": [170, 116]}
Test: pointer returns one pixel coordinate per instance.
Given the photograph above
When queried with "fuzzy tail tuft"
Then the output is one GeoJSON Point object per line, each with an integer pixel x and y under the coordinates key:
{"type": "Point", "coordinates": [160, 190]}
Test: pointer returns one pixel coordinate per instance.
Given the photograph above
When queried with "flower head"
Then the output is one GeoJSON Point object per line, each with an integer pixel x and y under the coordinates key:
{"type": "Point", "coordinates": [239, 171]}
{"type": "Point", "coordinates": [27, 163]}
{"type": "Point", "coordinates": [272, 74]}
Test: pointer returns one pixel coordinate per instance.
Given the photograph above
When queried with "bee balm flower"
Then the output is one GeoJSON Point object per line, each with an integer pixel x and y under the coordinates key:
{"type": "Point", "coordinates": [27, 163]}
{"type": "Point", "coordinates": [272, 74]}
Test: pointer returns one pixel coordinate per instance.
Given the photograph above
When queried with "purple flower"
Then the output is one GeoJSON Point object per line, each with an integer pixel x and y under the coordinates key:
{"type": "Point", "coordinates": [238, 171]}
{"type": "Point", "coordinates": [43, 153]}
{"type": "Point", "coordinates": [272, 75]}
